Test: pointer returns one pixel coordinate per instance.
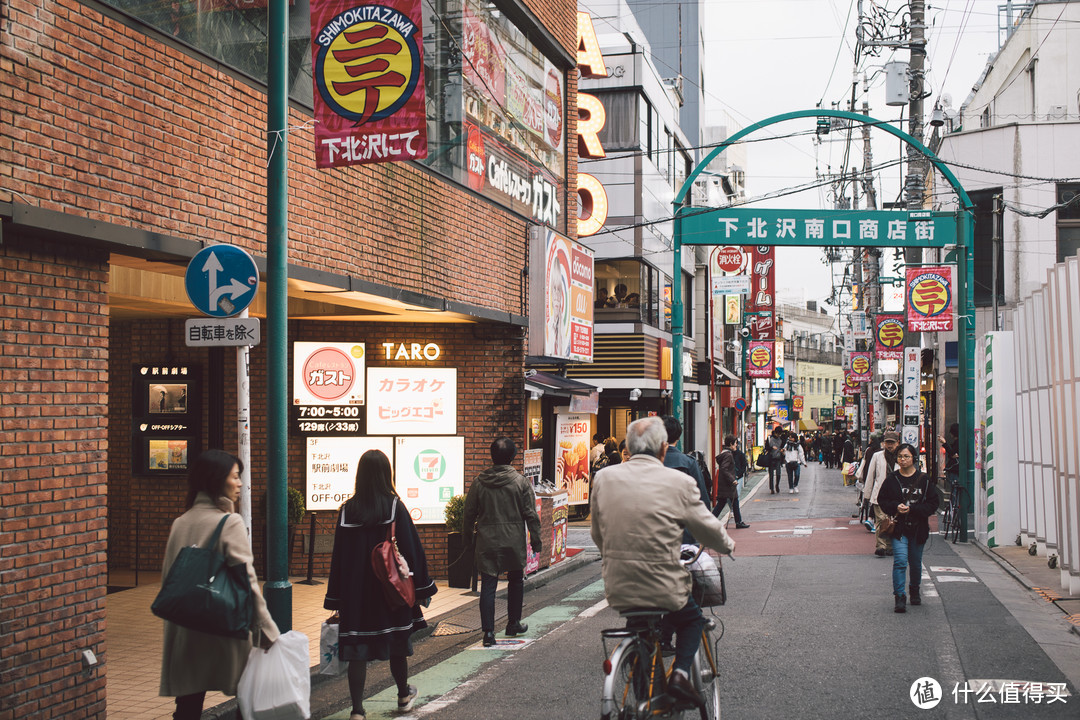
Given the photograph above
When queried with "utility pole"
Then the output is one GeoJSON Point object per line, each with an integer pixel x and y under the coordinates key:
{"type": "Point", "coordinates": [872, 258]}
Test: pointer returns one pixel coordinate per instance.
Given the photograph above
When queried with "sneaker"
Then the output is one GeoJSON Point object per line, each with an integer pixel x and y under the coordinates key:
{"type": "Point", "coordinates": [791, 491]}
{"type": "Point", "coordinates": [880, 552]}
{"type": "Point", "coordinates": [914, 597]}
{"type": "Point", "coordinates": [796, 490]}
{"type": "Point", "coordinates": [742, 526]}
{"type": "Point", "coordinates": [405, 702]}
{"type": "Point", "coordinates": [868, 525]}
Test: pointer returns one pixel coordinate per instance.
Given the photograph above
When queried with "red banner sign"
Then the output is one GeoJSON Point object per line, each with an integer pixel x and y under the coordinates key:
{"type": "Point", "coordinates": [889, 336]}
{"type": "Point", "coordinates": [797, 403]}
{"type": "Point", "coordinates": [929, 298]}
{"type": "Point", "coordinates": [851, 385]}
{"type": "Point", "coordinates": [368, 71]}
{"type": "Point", "coordinates": [762, 291]}
{"type": "Point", "coordinates": [762, 359]}
{"type": "Point", "coordinates": [862, 367]}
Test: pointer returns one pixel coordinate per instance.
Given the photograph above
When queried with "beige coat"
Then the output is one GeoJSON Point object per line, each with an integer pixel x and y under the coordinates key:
{"type": "Point", "coordinates": [875, 476]}
{"type": "Point", "coordinates": [639, 510]}
{"type": "Point", "coordinates": [193, 661]}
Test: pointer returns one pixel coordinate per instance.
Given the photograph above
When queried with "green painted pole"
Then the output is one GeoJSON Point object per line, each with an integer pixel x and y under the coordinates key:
{"type": "Point", "coordinates": [277, 590]}
{"type": "Point", "coordinates": [965, 272]}
{"type": "Point", "coordinates": [677, 326]}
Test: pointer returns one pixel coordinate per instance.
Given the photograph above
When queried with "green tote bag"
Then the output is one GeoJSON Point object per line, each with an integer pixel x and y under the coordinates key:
{"type": "Point", "coordinates": [202, 593]}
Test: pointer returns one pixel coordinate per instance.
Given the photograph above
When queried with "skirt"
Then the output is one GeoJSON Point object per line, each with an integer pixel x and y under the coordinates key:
{"type": "Point", "coordinates": [379, 647]}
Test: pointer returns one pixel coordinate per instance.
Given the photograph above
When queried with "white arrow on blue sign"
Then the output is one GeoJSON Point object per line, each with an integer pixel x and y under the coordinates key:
{"type": "Point", "coordinates": [221, 280]}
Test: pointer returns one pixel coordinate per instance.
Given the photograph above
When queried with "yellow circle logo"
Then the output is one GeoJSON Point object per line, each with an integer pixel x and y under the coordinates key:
{"type": "Point", "coordinates": [929, 295]}
{"type": "Point", "coordinates": [860, 365]}
{"type": "Point", "coordinates": [760, 357]}
{"type": "Point", "coordinates": [368, 63]}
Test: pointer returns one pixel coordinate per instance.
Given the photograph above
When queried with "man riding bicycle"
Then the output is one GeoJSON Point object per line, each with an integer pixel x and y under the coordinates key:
{"type": "Point", "coordinates": [639, 511]}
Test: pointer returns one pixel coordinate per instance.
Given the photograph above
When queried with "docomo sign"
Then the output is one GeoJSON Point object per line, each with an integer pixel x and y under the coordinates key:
{"type": "Point", "coordinates": [592, 198]}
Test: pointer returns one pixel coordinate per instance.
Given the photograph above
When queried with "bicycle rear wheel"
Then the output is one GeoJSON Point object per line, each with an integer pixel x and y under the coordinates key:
{"type": "Point", "coordinates": [707, 678]}
{"type": "Point", "coordinates": [946, 520]}
{"type": "Point", "coordinates": [626, 689]}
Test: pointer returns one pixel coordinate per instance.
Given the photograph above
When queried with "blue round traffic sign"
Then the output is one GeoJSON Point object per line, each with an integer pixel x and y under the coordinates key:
{"type": "Point", "coordinates": [221, 280]}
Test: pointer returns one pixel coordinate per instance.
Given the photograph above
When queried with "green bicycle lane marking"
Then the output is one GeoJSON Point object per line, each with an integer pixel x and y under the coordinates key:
{"type": "Point", "coordinates": [447, 675]}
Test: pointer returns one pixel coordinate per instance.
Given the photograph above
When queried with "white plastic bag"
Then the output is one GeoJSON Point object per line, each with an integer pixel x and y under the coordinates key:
{"type": "Point", "coordinates": [276, 684]}
{"type": "Point", "coordinates": [708, 588]}
{"type": "Point", "coordinates": [328, 650]}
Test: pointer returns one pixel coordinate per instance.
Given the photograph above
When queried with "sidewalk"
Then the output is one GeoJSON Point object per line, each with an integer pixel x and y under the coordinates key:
{"type": "Point", "coordinates": [133, 638]}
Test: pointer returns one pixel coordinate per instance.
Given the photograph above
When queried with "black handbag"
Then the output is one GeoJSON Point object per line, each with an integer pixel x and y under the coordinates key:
{"type": "Point", "coordinates": [203, 593]}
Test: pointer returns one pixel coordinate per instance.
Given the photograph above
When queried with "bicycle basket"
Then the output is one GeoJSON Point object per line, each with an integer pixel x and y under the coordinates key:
{"type": "Point", "coordinates": [709, 589]}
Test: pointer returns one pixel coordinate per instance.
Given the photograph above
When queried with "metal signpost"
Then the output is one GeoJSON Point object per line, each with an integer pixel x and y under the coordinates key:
{"type": "Point", "coordinates": [221, 281]}
{"type": "Point", "coordinates": [857, 228]}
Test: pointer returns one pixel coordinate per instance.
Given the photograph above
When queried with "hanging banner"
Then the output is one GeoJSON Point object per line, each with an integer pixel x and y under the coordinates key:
{"type": "Point", "coordinates": [761, 359]}
{"type": "Point", "coordinates": [763, 291]}
{"type": "Point", "coordinates": [797, 403]}
{"type": "Point", "coordinates": [851, 385]}
{"type": "Point", "coordinates": [889, 336]}
{"type": "Point", "coordinates": [862, 368]}
{"type": "Point", "coordinates": [928, 297]}
{"type": "Point", "coordinates": [910, 405]}
{"type": "Point", "coordinates": [367, 65]}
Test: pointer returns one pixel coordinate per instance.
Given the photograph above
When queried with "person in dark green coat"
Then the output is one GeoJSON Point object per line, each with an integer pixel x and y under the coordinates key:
{"type": "Point", "coordinates": [499, 502]}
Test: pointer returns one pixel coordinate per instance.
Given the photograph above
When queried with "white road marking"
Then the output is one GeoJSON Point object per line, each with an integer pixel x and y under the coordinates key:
{"type": "Point", "coordinates": [943, 569]}
{"type": "Point", "coordinates": [957, 578]}
{"type": "Point", "coordinates": [589, 612]}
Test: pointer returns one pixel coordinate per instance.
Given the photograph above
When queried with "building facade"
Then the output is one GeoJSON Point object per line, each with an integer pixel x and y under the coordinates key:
{"type": "Point", "coordinates": [134, 137]}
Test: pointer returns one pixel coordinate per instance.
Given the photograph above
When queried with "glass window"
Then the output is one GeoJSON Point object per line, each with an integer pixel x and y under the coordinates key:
{"type": "Point", "coordinates": [619, 291]}
{"type": "Point", "coordinates": [1068, 221]}
{"type": "Point", "coordinates": [834, 386]}
{"type": "Point", "coordinates": [984, 249]}
{"type": "Point", "coordinates": [645, 125]}
{"type": "Point", "coordinates": [496, 106]}
{"type": "Point", "coordinates": [621, 127]}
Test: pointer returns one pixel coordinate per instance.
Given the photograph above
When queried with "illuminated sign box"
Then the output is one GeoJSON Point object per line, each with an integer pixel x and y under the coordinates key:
{"type": "Point", "coordinates": [412, 401]}
{"type": "Point", "coordinates": [428, 471]}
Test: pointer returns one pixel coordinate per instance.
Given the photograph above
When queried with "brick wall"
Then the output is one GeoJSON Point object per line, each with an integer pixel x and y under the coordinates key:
{"type": "Point", "coordinates": [106, 122]}
{"type": "Point", "coordinates": [488, 359]}
{"type": "Point", "coordinates": [53, 425]}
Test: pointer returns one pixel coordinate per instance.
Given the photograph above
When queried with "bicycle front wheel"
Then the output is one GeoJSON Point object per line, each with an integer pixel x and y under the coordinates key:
{"type": "Point", "coordinates": [626, 688]}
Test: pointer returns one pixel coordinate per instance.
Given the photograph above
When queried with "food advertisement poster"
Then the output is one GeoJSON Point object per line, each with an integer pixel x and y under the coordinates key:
{"type": "Point", "coordinates": [532, 559]}
{"type": "Point", "coordinates": [428, 471]}
{"type": "Point", "coordinates": [572, 456]}
{"type": "Point", "coordinates": [412, 401]}
{"type": "Point", "coordinates": [560, 513]}
{"type": "Point", "coordinates": [330, 468]}
{"type": "Point", "coordinates": [563, 303]}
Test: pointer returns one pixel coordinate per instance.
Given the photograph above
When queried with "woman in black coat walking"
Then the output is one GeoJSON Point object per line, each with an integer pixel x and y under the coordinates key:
{"type": "Point", "coordinates": [369, 628]}
{"type": "Point", "coordinates": [911, 497]}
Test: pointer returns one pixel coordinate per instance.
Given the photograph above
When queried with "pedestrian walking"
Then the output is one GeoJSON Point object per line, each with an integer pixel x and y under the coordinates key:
{"type": "Point", "coordinates": [880, 466]}
{"type": "Point", "coordinates": [499, 506]}
{"type": "Point", "coordinates": [794, 460]}
{"type": "Point", "coordinates": [675, 458]}
{"type": "Point", "coordinates": [727, 481]}
{"type": "Point", "coordinates": [847, 449]}
{"type": "Point", "coordinates": [194, 662]}
{"type": "Point", "coordinates": [861, 497]}
{"type": "Point", "coordinates": [369, 628]}
{"type": "Point", "coordinates": [951, 448]}
{"type": "Point", "coordinates": [908, 495]}
{"type": "Point", "coordinates": [774, 449]}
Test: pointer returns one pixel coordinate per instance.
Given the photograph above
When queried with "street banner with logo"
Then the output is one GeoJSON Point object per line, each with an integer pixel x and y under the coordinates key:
{"type": "Point", "coordinates": [928, 296]}
{"type": "Point", "coordinates": [572, 456]}
{"type": "Point", "coordinates": [862, 367]}
{"type": "Point", "coordinates": [367, 65]}
{"type": "Point", "coordinates": [797, 403]}
{"type": "Point", "coordinates": [762, 359]}
{"type": "Point", "coordinates": [851, 385]}
{"type": "Point", "coordinates": [910, 405]}
{"type": "Point", "coordinates": [889, 336]}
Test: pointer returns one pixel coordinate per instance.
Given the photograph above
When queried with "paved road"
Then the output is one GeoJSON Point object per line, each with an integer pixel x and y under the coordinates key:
{"type": "Point", "coordinates": [809, 632]}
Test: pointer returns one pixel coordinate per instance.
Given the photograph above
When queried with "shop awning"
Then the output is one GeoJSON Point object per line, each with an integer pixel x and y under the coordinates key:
{"type": "Point", "coordinates": [721, 370]}
{"type": "Point", "coordinates": [556, 385]}
{"type": "Point", "coordinates": [808, 424]}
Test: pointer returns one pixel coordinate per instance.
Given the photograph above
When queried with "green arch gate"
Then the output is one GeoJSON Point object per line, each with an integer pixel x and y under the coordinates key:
{"type": "Point", "coordinates": [840, 228]}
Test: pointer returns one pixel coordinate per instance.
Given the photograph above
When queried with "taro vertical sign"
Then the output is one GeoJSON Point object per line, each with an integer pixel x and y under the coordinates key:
{"type": "Point", "coordinates": [368, 71]}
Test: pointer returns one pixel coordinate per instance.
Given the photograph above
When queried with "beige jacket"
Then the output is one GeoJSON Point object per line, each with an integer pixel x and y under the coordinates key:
{"type": "Point", "coordinates": [639, 510]}
{"type": "Point", "coordinates": [875, 476]}
{"type": "Point", "coordinates": [192, 661]}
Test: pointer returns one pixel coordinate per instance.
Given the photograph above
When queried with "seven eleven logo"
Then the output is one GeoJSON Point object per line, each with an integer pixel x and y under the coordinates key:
{"type": "Point", "coordinates": [429, 465]}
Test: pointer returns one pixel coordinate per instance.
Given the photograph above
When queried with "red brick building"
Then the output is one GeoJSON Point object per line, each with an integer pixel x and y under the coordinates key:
{"type": "Point", "coordinates": [133, 136]}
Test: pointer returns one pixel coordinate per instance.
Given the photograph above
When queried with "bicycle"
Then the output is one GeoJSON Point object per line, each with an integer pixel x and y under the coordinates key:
{"type": "Point", "coordinates": [951, 515]}
{"type": "Point", "coordinates": [636, 677]}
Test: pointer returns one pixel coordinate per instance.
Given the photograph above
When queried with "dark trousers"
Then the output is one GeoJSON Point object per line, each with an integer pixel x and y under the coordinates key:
{"type": "Point", "coordinates": [687, 625]}
{"type": "Point", "coordinates": [735, 512]}
{"type": "Point", "coordinates": [774, 475]}
{"type": "Point", "coordinates": [515, 591]}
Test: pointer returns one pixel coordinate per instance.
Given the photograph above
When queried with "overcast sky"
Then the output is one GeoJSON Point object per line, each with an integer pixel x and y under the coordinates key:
{"type": "Point", "coordinates": [767, 57]}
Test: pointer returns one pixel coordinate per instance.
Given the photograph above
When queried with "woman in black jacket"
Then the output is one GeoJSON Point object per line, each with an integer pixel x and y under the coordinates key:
{"type": "Point", "coordinates": [369, 628]}
{"type": "Point", "coordinates": [911, 497]}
